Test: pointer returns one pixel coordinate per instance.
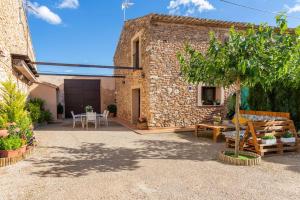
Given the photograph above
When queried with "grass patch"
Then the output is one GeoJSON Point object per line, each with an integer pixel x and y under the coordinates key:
{"type": "Point", "coordinates": [241, 157]}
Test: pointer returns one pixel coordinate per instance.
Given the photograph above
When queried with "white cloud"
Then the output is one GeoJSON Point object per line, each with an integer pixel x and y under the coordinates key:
{"type": "Point", "coordinates": [293, 9]}
{"type": "Point", "coordinates": [189, 7]}
{"type": "Point", "coordinates": [44, 13]}
{"type": "Point", "coordinates": [72, 4]}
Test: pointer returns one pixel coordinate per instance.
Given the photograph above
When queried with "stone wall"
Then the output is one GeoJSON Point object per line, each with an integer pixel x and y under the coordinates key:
{"type": "Point", "coordinates": [173, 102]}
{"type": "Point", "coordinates": [107, 88]}
{"type": "Point", "coordinates": [14, 39]}
{"type": "Point", "coordinates": [134, 79]}
{"type": "Point", "coordinates": [167, 100]}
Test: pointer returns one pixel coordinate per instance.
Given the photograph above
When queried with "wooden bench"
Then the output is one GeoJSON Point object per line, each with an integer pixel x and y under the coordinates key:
{"type": "Point", "coordinates": [230, 142]}
{"type": "Point", "coordinates": [256, 130]}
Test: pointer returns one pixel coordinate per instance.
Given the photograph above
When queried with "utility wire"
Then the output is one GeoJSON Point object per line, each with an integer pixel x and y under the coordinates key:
{"type": "Point", "coordinates": [256, 9]}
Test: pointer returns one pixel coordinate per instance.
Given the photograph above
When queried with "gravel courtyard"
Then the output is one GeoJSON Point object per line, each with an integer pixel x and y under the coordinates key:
{"type": "Point", "coordinates": [115, 163]}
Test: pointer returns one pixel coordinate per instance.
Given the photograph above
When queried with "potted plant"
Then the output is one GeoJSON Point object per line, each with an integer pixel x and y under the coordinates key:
{"type": "Point", "coordinates": [217, 120]}
{"type": "Point", "coordinates": [142, 123]}
{"type": "Point", "coordinates": [288, 137]}
{"type": "Point", "coordinates": [269, 140]}
{"type": "Point", "coordinates": [60, 111]}
{"type": "Point", "coordinates": [3, 128]}
{"type": "Point", "coordinates": [88, 108]}
{"type": "Point", "coordinates": [112, 109]}
{"type": "Point", "coordinates": [217, 102]}
{"type": "Point", "coordinates": [11, 146]}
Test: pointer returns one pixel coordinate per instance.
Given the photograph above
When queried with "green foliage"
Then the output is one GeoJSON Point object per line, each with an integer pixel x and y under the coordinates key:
{"type": "Point", "coordinates": [257, 55]}
{"type": "Point", "coordinates": [268, 137]}
{"type": "Point", "coordinates": [88, 108]}
{"type": "Point", "coordinates": [112, 109]}
{"type": "Point", "coordinates": [11, 143]}
{"type": "Point", "coordinates": [279, 99]}
{"type": "Point", "coordinates": [287, 134]}
{"type": "Point", "coordinates": [35, 111]}
{"type": "Point", "coordinates": [13, 104]}
{"type": "Point", "coordinates": [60, 109]}
{"type": "Point", "coordinates": [3, 122]}
{"type": "Point", "coordinates": [39, 102]}
{"type": "Point", "coordinates": [46, 116]}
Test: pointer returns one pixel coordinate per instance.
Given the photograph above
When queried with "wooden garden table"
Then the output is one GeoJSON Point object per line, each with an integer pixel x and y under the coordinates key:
{"type": "Point", "coordinates": [216, 129]}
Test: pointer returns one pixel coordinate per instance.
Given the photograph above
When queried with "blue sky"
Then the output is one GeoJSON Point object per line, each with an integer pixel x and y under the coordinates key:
{"type": "Point", "coordinates": [87, 31]}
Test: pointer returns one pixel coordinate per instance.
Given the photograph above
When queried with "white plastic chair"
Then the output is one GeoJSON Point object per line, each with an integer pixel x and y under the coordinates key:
{"type": "Point", "coordinates": [104, 117]}
{"type": "Point", "coordinates": [91, 117]}
{"type": "Point", "coordinates": [76, 118]}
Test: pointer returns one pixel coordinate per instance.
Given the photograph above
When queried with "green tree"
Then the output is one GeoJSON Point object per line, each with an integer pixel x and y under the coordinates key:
{"type": "Point", "coordinates": [259, 54]}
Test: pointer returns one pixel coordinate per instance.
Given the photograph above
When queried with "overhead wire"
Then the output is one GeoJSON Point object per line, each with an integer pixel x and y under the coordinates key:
{"type": "Point", "coordinates": [256, 9]}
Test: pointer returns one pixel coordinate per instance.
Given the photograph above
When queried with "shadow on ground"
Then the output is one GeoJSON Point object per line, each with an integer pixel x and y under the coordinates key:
{"type": "Point", "coordinates": [95, 157]}
{"type": "Point", "coordinates": [291, 160]}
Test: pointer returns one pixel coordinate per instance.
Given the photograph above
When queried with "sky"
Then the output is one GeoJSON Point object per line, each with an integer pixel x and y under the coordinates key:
{"type": "Point", "coordinates": [87, 31]}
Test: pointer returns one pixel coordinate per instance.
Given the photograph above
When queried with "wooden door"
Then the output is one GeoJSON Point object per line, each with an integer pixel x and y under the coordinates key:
{"type": "Point", "coordinates": [80, 93]}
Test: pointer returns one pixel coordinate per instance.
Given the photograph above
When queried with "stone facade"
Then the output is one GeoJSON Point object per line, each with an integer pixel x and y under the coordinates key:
{"type": "Point", "coordinates": [14, 39]}
{"type": "Point", "coordinates": [107, 89]}
{"type": "Point", "coordinates": [166, 99]}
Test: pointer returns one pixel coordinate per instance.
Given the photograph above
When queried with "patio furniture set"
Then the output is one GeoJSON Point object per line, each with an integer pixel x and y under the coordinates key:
{"type": "Point", "coordinates": [258, 127]}
{"type": "Point", "coordinates": [90, 117]}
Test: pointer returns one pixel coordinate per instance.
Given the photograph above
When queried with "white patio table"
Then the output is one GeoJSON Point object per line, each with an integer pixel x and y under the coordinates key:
{"type": "Point", "coordinates": [83, 116]}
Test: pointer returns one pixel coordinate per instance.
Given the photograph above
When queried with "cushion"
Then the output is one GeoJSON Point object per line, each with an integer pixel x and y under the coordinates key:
{"type": "Point", "coordinates": [242, 120]}
{"type": "Point", "coordinates": [231, 134]}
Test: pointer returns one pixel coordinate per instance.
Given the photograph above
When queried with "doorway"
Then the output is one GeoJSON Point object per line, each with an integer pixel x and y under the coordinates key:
{"type": "Point", "coordinates": [136, 105]}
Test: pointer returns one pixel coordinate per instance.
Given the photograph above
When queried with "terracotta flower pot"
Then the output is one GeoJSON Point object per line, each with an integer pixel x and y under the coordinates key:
{"type": "Point", "coordinates": [12, 153]}
{"type": "Point", "coordinates": [4, 133]}
{"type": "Point", "coordinates": [9, 153]}
{"type": "Point", "coordinates": [142, 125]}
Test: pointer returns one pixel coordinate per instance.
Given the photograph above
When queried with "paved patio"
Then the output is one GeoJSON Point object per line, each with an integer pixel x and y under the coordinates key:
{"type": "Point", "coordinates": [115, 163]}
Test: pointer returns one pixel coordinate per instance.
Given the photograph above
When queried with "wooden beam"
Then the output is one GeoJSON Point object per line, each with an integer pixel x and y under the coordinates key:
{"type": "Point", "coordinates": [84, 65]}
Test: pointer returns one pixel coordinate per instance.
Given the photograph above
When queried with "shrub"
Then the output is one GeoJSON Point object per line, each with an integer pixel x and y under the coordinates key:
{"type": "Point", "coordinates": [11, 143]}
{"type": "Point", "coordinates": [35, 111]}
{"type": "Point", "coordinates": [60, 109]}
{"type": "Point", "coordinates": [36, 108]}
{"type": "Point", "coordinates": [39, 102]}
{"type": "Point", "coordinates": [3, 122]}
{"type": "Point", "coordinates": [13, 104]}
{"type": "Point", "coordinates": [112, 109]}
{"type": "Point", "coordinates": [46, 116]}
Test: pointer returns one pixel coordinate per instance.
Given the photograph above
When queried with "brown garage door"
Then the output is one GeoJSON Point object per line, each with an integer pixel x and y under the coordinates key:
{"type": "Point", "coordinates": [80, 93]}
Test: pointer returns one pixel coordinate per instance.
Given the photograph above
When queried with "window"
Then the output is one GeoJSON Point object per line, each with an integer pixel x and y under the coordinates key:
{"type": "Point", "coordinates": [136, 50]}
{"type": "Point", "coordinates": [136, 54]}
{"type": "Point", "coordinates": [208, 95]}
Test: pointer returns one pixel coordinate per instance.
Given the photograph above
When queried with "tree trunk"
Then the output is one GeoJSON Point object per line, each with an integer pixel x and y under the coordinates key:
{"type": "Point", "coordinates": [237, 115]}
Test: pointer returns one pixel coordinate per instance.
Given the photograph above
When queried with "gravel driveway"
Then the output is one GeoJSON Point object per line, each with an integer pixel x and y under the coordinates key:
{"type": "Point", "coordinates": [115, 163]}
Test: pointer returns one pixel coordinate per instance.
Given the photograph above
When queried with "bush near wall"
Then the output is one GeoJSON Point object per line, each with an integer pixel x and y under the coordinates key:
{"type": "Point", "coordinates": [38, 114]}
{"type": "Point", "coordinates": [280, 99]}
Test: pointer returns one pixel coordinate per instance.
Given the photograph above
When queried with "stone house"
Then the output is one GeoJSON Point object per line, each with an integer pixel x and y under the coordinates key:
{"type": "Point", "coordinates": [16, 51]}
{"type": "Point", "coordinates": [157, 91]}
